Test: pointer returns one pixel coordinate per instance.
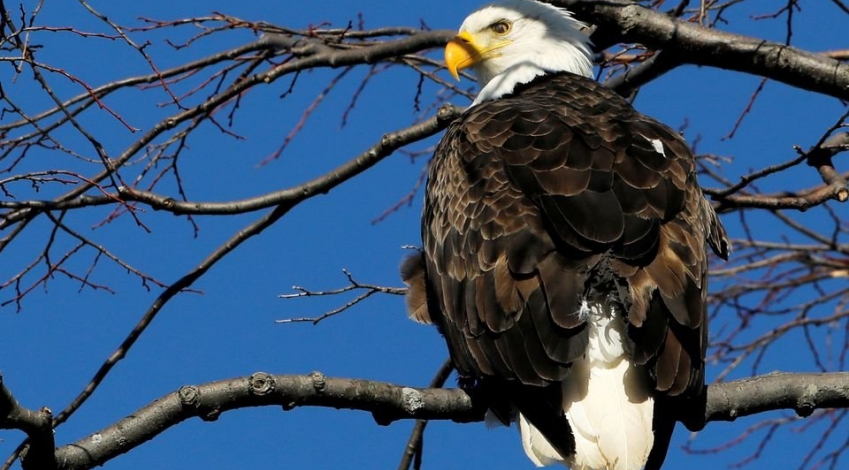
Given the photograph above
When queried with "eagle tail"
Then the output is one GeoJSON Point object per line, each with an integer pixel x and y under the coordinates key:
{"type": "Point", "coordinates": [537, 447]}
{"type": "Point", "coordinates": [539, 412]}
{"type": "Point", "coordinates": [612, 423]}
{"type": "Point", "coordinates": [545, 431]}
{"type": "Point", "coordinates": [605, 401]}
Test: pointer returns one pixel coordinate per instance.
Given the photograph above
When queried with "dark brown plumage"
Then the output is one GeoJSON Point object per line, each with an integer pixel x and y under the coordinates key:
{"type": "Point", "coordinates": [559, 193]}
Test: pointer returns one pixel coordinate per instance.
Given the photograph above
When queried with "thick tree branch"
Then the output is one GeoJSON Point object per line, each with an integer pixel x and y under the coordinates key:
{"type": "Point", "coordinates": [36, 424]}
{"type": "Point", "coordinates": [698, 45]}
{"type": "Point", "coordinates": [322, 55]}
{"type": "Point", "coordinates": [387, 402]}
{"type": "Point", "coordinates": [802, 393]}
{"type": "Point", "coordinates": [413, 450]}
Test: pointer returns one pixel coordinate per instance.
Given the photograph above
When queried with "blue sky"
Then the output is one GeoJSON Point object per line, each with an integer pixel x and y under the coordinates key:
{"type": "Point", "coordinates": [50, 349]}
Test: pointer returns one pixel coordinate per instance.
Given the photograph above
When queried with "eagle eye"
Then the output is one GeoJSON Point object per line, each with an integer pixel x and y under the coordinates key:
{"type": "Point", "coordinates": [501, 27]}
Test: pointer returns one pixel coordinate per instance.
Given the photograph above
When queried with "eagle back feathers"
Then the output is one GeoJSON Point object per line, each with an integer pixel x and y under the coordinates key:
{"type": "Point", "coordinates": [556, 195]}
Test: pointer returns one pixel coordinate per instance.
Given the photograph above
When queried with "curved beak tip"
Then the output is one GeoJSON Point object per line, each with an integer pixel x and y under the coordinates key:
{"type": "Point", "coordinates": [459, 54]}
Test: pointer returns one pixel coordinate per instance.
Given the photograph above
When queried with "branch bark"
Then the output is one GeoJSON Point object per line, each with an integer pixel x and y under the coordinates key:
{"type": "Point", "coordinates": [36, 424]}
{"type": "Point", "coordinates": [698, 45]}
{"type": "Point", "coordinates": [802, 393]}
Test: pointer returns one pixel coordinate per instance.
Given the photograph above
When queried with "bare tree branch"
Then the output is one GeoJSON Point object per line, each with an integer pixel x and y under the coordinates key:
{"type": "Point", "coordinates": [698, 45]}
{"type": "Point", "coordinates": [802, 393]}
{"type": "Point", "coordinates": [773, 276]}
{"type": "Point", "coordinates": [293, 197]}
{"type": "Point", "coordinates": [36, 424]}
{"type": "Point", "coordinates": [311, 54]}
{"type": "Point", "coordinates": [413, 450]}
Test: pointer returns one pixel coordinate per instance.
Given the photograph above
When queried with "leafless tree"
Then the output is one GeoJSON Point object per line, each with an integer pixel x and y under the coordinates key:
{"type": "Point", "coordinates": [59, 173]}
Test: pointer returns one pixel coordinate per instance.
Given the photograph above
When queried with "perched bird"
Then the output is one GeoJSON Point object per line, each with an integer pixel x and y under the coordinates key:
{"type": "Point", "coordinates": [564, 248]}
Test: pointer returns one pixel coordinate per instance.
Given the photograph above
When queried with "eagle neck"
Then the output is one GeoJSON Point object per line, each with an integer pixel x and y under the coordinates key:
{"type": "Point", "coordinates": [506, 82]}
{"type": "Point", "coordinates": [518, 87]}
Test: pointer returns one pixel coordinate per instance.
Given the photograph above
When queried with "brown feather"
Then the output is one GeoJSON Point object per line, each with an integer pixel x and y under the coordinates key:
{"type": "Point", "coordinates": [413, 274]}
{"type": "Point", "coordinates": [505, 288]}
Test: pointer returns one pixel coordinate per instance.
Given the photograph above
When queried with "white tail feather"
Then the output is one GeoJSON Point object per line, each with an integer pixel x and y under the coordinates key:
{"type": "Point", "coordinates": [536, 446]}
{"type": "Point", "coordinates": [606, 403]}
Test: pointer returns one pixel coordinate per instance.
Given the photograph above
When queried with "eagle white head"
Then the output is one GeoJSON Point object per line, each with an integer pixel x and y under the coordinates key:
{"type": "Point", "coordinates": [513, 41]}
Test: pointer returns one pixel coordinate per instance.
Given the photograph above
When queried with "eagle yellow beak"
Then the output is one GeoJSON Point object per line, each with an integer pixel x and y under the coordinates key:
{"type": "Point", "coordinates": [461, 52]}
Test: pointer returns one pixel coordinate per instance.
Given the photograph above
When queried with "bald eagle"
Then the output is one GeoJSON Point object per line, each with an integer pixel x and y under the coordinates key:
{"type": "Point", "coordinates": [564, 248]}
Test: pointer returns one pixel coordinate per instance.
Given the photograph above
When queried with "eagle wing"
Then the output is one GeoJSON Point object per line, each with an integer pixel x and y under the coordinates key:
{"type": "Point", "coordinates": [555, 195]}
